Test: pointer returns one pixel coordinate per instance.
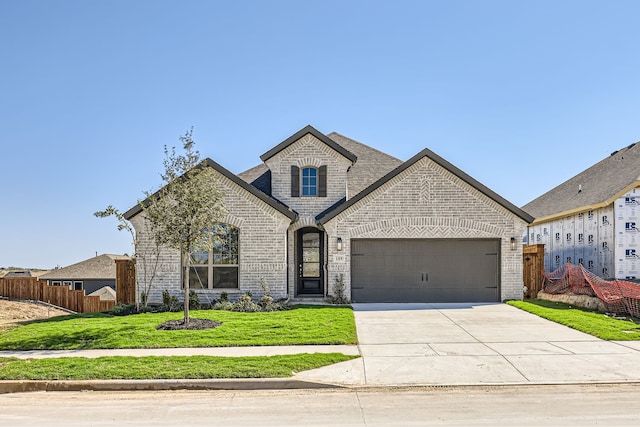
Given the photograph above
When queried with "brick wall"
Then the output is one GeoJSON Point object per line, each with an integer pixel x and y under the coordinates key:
{"type": "Point", "coordinates": [262, 248]}
{"type": "Point", "coordinates": [427, 201]}
{"type": "Point", "coordinates": [308, 151]}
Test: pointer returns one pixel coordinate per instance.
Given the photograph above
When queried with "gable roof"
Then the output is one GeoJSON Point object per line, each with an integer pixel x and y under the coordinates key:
{"type": "Point", "coordinates": [99, 267]}
{"type": "Point", "coordinates": [371, 165]}
{"type": "Point", "coordinates": [328, 215]}
{"type": "Point", "coordinates": [280, 207]}
{"type": "Point", "coordinates": [302, 132]}
{"type": "Point", "coordinates": [598, 186]}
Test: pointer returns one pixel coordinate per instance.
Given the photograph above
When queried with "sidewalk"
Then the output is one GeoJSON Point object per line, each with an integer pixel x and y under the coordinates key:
{"type": "Point", "coordinates": [350, 350]}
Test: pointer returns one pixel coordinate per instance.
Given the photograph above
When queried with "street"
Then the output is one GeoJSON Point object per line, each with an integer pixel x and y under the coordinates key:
{"type": "Point", "coordinates": [559, 405]}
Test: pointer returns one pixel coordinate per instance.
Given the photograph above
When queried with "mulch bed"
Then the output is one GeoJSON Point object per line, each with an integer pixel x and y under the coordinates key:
{"type": "Point", "coordinates": [193, 325]}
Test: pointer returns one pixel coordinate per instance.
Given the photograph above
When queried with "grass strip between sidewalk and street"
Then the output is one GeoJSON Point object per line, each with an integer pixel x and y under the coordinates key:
{"type": "Point", "coordinates": [161, 367]}
{"type": "Point", "coordinates": [590, 322]}
{"type": "Point", "coordinates": [308, 325]}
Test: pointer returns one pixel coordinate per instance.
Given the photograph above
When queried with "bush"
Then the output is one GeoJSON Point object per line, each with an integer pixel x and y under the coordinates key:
{"type": "Point", "coordinates": [338, 296]}
{"type": "Point", "coordinates": [194, 301]}
{"type": "Point", "coordinates": [169, 302]}
{"type": "Point", "coordinates": [245, 304]}
{"type": "Point", "coordinates": [223, 305]}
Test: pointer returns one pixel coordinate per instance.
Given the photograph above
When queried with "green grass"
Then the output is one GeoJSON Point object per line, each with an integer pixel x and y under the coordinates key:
{"type": "Point", "coordinates": [304, 325]}
{"type": "Point", "coordinates": [153, 367]}
{"type": "Point", "coordinates": [590, 322]}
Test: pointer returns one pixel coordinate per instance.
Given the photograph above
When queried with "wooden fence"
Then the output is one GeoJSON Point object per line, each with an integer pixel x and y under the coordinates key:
{"type": "Point", "coordinates": [125, 281]}
{"type": "Point", "coordinates": [533, 265]}
{"type": "Point", "coordinates": [30, 288]}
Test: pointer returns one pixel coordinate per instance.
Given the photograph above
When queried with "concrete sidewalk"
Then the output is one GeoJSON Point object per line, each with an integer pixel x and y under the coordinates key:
{"type": "Point", "coordinates": [474, 344]}
{"type": "Point", "coordinates": [410, 345]}
{"type": "Point", "coordinates": [350, 350]}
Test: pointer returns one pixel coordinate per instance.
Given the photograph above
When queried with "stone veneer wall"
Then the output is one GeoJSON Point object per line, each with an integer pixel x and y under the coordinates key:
{"type": "Point", "coordinates": [427, 201]}
{"type": "Point", "coordinates": [262, 248]}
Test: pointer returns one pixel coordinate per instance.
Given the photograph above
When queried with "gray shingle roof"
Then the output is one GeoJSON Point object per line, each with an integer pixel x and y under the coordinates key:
{"type": "Point", "coordinates": [371, 165]}
{"type": "Point", "coordinates": [597, 186]}
{"type": "Point", "coordinates": [100, 267]}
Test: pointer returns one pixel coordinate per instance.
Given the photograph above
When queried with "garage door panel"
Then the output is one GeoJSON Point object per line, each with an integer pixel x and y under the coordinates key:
{"type": "Point", "coordinates": [425, 270]}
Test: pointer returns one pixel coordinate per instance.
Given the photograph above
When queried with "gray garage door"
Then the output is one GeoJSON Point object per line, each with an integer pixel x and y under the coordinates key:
{"type": "Point", "coordinates": [425, 270]}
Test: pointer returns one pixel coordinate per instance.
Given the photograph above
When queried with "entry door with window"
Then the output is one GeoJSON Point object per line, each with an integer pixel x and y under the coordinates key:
{"type": "Point", "coordinates": [310, 261]}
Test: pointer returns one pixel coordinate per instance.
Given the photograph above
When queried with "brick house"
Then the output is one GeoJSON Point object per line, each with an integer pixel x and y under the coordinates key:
{"type": "Point", "coordinates": [593, 218]}
{"type": "Point", "coordinates": [321, 207]}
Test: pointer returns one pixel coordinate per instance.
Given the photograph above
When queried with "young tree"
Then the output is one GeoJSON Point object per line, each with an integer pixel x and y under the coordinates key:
{"type": "Point", "coordinates": [147, 259]}
{"type": "Point", "coordinates": [182, 213]}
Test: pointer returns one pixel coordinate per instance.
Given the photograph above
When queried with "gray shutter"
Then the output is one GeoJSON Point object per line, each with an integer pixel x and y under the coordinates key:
{"type": "Point", "coordinates": [322, 181]}
{"type": "Point", "coordinates": [295, 181]}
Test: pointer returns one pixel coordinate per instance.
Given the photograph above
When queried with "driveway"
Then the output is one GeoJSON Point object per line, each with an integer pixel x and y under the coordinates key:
{"type": "Point", "coordinates": [470, 344]}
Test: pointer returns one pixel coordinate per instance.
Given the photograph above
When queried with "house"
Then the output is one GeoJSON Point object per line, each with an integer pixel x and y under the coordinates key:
{"type": "Point", "coordinates": [323, 208]}
{"type": "Point", "coordinates": [593, 219]}
{"type": "Point", "coordinates": [21, 273]}
{"type": "Point", "coordinates": [89, 275]}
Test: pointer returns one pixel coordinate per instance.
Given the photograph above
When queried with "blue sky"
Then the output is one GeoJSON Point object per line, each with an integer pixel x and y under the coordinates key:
{"type": "Point", "coordinates": [521, 95]}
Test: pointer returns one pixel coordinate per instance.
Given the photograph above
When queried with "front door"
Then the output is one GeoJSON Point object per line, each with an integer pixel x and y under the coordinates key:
{"type": "Point", "coordinates": [310, 261]}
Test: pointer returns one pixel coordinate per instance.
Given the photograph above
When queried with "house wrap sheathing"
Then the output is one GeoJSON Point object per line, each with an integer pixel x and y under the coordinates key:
{"type": "Point", "coordinates": [593, 219]}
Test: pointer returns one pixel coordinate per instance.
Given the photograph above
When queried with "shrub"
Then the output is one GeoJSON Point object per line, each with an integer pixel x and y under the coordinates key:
{"type": "Point", "coordinates": [194, 301]}
{"type": "Point", "coordinates": [169, 302]}
{"type": "Point", "coordinates": [223, 305]}
{"type": "Point", "coordinates": [338, 296]}
{"type": "Point", "coordinates": [245, 304]}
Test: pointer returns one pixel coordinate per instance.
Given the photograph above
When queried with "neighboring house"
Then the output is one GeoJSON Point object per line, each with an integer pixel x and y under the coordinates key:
{"type": "Point", "coordinates": [20, 273]}
{"type": "Point", "coordinates": [593, 219]}
{"type": "Point", "coordinates": [89, 275]}
{"type": "Point", "coordinates": [321, 207]}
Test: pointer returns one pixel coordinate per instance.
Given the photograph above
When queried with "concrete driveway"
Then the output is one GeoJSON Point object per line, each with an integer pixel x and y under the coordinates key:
{"type": "Point", "coordinates": [470, 344]}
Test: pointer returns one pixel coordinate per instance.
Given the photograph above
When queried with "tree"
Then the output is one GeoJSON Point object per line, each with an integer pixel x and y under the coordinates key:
{"type": "Point", "coordinates": [147, 259]}
{"type": "Point", "coordinates": [182, 213]}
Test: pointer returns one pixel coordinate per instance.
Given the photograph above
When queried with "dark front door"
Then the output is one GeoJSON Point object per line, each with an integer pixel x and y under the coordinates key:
{"type": "Point", "coordinates": [310, 261]}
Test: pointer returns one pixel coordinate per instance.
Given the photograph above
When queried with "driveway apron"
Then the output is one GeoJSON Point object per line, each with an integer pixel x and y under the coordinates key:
{"type": "Point", "coordinates": [474, 344]}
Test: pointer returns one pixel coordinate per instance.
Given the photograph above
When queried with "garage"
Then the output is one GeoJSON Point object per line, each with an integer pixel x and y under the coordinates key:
{"type": "Point", "coordinates": [425, 270]}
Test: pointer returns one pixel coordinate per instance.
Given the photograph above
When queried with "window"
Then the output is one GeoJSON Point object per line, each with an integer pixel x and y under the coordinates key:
{"type": "Point", "coordinates": [218, 268]}
{"type": "Point", "coordinates": [56, 283]}
{"type": "Point", "coordinates": [309, 182]}
{"type": "Point", "coordinates": [66, 283]}
{"type": "Point", "coordinates": [77, 286]}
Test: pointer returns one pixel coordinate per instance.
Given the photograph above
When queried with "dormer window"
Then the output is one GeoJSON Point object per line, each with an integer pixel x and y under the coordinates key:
{"type": "Point", "coordinates": [309, 182]}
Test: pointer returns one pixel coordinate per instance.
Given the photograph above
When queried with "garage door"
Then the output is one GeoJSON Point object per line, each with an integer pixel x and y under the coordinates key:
{"type": "Point", "coordinates": [425, 270]}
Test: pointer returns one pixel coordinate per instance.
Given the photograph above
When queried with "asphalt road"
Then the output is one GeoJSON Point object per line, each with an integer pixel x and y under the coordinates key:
{"type": "Point", "coordinates": [566, 405]}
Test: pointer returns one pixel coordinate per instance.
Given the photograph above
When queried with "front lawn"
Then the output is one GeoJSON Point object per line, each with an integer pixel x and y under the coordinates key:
{"type": "Point", "coordinates": [303, 325]}
{"type": "Point", "coordinates": [153, 367]}
{"type": "Point", "coordinates": [590, 322]}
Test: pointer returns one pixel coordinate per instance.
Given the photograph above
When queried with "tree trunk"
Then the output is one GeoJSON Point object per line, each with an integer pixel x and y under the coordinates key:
{"type": "Point", "coordinates": [185, 280]}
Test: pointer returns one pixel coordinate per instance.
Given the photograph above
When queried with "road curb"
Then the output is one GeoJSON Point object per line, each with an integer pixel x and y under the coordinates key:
{"type": "Point", "coordinates": [156, 385]}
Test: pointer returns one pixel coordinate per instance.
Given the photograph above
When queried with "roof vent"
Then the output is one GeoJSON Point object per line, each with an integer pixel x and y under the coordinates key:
{"type": "Point", "coordinates": [631, 145]}
{"type": "Point", "coordinates": [579, 188]}
{"type": "Point", "coordinates": [614, 152]}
